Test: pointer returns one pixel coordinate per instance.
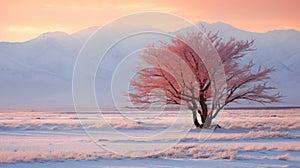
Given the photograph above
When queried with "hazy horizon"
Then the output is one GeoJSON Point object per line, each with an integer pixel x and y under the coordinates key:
{"type": "Point", "coordinates": [93, 28]}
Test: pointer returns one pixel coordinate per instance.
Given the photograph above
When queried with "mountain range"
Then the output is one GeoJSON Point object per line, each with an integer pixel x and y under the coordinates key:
{"type": "Point", "coordinates": [38, 73]}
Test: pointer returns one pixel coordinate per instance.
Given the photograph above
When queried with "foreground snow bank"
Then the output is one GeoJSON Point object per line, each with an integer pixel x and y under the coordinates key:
{"type": "Point", "coordinates": [254, 139]}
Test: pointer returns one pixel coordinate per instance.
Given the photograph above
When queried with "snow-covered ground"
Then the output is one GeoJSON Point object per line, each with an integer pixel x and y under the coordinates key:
{"type": "Point", "coordinates": [248, 138]}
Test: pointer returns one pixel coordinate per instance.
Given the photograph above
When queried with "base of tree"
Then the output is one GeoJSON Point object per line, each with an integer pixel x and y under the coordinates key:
{"type": "Point", "coordinates": [197, 124]}
{"type": "Point", "coordinates": [214, 126]}
{"type": "Point", "coordinates": [218, 126]}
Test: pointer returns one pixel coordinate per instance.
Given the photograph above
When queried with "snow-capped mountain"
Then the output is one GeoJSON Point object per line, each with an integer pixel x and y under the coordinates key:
{"type": "Point", "coordinates": [38, 73]}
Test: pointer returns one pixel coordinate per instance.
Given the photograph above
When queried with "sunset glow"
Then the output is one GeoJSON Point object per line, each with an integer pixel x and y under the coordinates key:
{"type": "Point", "coordinates": [24, 20]}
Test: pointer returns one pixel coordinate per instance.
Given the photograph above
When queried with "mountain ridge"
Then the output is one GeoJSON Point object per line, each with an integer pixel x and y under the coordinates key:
{"type": "Point", "coordinates": [38, 72]}
{"type": "Point", "coordinates": [89, 30]}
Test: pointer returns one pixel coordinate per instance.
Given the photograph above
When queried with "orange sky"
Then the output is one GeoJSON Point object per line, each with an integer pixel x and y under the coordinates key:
{"type": "Point", "coordinates": [24, 20]}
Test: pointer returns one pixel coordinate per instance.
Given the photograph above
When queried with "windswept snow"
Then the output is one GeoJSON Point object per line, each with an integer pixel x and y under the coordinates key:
{"type": "Point", "coordinates": [247, 139]}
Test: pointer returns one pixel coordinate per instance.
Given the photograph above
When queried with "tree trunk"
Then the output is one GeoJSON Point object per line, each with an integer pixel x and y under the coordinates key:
{"type": "Point", "coordinates": [196, 123]}
{"type": "Point", "coordinates": [206, 121]}
{"type": "Point", "coordinates": [203, 116]}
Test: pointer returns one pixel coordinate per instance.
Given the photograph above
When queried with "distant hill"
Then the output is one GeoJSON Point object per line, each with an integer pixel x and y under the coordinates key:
{"type": "Point", "coordinates": [38, 72]}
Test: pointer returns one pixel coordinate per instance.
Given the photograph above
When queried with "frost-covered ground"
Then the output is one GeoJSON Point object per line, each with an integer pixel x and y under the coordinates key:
{"type": "Point", "coordinates": [249, 138]}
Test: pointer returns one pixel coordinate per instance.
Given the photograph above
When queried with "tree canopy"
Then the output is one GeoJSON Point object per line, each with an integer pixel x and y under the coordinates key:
{"type": "Point", "coordinates": [183, 72]}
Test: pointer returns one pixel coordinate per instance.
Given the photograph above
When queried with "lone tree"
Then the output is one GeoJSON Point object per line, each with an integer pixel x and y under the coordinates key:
{"type": "Point", "coordinates": [179, 74]}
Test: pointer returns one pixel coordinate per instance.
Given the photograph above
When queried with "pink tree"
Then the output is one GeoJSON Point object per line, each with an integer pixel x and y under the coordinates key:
{"type": "Point", "coordinates": [178, 75]}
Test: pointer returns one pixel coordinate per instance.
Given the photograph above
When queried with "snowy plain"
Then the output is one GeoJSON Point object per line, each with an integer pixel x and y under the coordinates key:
{"type": "Point", "coordinates": [39, 72]}
{"type": "Point", "coordinates": [248, 138]}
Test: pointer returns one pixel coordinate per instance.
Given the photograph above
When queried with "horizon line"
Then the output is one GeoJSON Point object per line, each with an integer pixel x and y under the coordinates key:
{"type": "Point", "coordinates": [199, 22]}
